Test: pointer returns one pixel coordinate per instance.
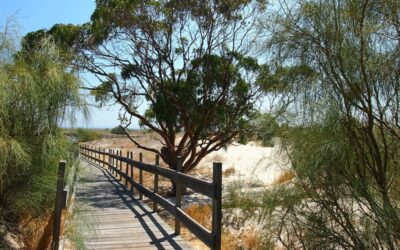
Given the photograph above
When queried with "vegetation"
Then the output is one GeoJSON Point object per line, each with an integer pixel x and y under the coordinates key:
{"type": "Point", "coordinates": [343, 133]}
{"type": "Point", "coordinates": [36, 94]}
{"type": "Point", "coordinates": [86, 135]}
{"type": "Point", "coordinates": [119, 130]}
{"type": "Point", "coordinates": [263, 127]}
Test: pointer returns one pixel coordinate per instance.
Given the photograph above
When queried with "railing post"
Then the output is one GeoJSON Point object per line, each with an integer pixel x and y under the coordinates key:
{"type": "Point", "coordinates": [59, 205]}
{"type": "Point", "coordinates": [114, 162]}
{"type": "Point", "coordinates": [155, 190]}
{"type": "Point", "coordinates": [109, 161]}
{"type": "Point", "coordinates": [132, 176]}
{"type": "Point", "coordinates": [117, 164]}
{"type": "Point", "coordinates": [104, 158]}
{"type": "Point", "coordinates": [140, 175]}
{"type": "Point", "coordinates": [120, 166]}
{"type": "Point", "coordinates": [217, 205]}
{"type": "Point", "coordinates": [178, 195]}
{"type": "Point", "coordinates": [126, 169]}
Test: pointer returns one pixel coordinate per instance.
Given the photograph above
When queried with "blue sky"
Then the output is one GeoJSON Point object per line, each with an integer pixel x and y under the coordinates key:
{"type": "Point", "coordinates": [32, 15]}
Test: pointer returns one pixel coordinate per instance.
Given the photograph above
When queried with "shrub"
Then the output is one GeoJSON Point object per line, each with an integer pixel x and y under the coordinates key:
{"type": "Point", "coordinates": [36, 92]}
{"type": "Point", "coordinates": [86, 135]}
{"type": "Point", "coordinates": [200, 213]}
{"type": "Point", "coordinates": [118, 130]}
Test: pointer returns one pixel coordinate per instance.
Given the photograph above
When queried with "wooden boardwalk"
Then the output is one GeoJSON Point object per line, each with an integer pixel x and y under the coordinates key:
{"type": "Point", "coordinates": [119, 220]}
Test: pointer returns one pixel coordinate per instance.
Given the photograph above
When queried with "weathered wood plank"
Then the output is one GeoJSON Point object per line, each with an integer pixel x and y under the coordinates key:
{"type": "Point", "coordinates": [119, 220]}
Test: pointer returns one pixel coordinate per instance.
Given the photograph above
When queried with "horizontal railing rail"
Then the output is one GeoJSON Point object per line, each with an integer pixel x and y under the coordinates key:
{"type": "Point", "coordinates": [211, 189]}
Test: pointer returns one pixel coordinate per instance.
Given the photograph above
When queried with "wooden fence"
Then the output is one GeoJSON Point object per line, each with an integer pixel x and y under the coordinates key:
{"type": "Point", "coordinates": [63, 195]}
{"type": "Point", "coordinates": [211, 189]}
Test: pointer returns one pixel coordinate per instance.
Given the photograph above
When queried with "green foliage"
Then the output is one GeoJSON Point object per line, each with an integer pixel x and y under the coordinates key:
{"type": "Point", "coordinates": [338, 60]}
{"type": "Point", "coordinates": [118, 130]}
{"type": "Point", "coordinates": [65, 36]}
{"type": "Point", "coordinates": [262, 127]}
{"type": "Point", "coordinates": [267, 128]}
{"type": "Point", "coordinates": [37, 93]}
{"type": "Point", "coordinates": [206, 76]}
{"type": "Point", "coordinates": [341, 57]}
{"type": "Point", "coordinates": [86, 135]}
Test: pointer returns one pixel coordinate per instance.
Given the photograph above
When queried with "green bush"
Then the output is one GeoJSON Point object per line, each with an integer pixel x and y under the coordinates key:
{"type": "Point", "coordinates": [118, 131]}
{"type": "Point", "coordinates": [86, 135]}
{"type": "Point", "coordinates": [36, 92]}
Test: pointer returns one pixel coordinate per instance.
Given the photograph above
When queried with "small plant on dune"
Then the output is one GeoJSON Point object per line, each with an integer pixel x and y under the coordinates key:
{"type": "Point", "coordinates": [201, 213]}
{"type": "Point", "coordinates": [229, 171]}
{"type": "Point", "coordinates": [228, 241]}
{"type": "Point", "coordinates": [285, 177]}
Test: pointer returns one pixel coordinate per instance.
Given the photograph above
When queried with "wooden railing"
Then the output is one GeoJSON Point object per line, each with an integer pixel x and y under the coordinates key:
{"type": "Point", "coordinates": [63, 195]}
{"type": "Point", "coordinates": [112, 161]}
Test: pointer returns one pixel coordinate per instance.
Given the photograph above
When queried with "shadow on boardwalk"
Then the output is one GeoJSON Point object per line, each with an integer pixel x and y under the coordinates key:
{"type": "Point", "coordinates": [120, 221]}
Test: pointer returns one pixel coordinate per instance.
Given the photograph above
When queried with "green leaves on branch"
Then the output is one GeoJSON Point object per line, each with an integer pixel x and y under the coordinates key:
{"type": "Point", "coordinates": [285, 78]}
{"type": "Point", "coordinates": [103, 92]}
{"type": "Point", "coordinates": [65, 36]}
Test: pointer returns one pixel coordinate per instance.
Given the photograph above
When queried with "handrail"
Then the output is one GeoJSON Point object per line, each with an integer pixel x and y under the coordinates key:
{"type": "Point", "coordinates": [211, 189]}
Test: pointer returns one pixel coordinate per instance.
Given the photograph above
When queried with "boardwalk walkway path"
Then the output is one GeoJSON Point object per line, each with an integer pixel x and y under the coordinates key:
{"type": "Point", "coordinates": [118, 219]}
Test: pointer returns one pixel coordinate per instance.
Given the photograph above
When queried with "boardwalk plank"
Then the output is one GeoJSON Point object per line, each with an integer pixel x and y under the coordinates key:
{"type": "Point", "coordinates": [119, 220]}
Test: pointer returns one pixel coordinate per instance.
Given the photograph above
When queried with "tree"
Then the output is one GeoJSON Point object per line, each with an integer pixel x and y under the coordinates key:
{"type": "Point", "coordinates": [118, 130]}
{"type": "Point", "coordinates": [344, 144]}
{"type": "Point", "coordinates": [189, 61]}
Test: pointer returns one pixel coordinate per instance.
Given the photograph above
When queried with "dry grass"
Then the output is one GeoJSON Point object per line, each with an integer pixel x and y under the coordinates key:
{"type": "Point", "coordinates": [37, 230]}
{"type": "Point", "coordinates": [228, 241]}
{"type": "Point", "coordinates": [201, 213]}
{"type": "Point", "coordinates": [285, 177]}
{"type": "Point", "coordinates": [251, 239]}
{"type": "Point", "coordinates": [229, 171]}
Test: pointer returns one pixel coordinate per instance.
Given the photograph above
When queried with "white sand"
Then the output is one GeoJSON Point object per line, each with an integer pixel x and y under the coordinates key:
{"type": "Point", "coordinates": [251, 162]}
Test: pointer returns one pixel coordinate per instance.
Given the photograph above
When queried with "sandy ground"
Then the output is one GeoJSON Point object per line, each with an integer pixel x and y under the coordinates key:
{"type": "Point", "coordinates": [249, 162]}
